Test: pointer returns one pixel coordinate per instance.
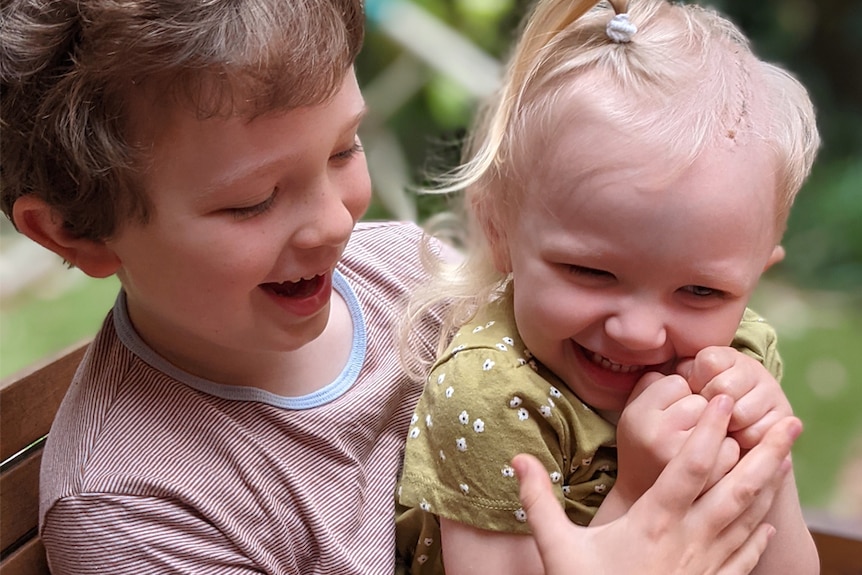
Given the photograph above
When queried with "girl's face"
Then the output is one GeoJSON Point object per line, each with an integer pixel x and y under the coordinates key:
{"type": "Point", "coordinates": [620, 268]}
{"type": "Point", "coordinates": [250, 218]}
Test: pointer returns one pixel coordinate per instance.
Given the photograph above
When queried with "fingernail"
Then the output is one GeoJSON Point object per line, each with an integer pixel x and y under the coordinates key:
{"type": "Point", "coordinates": [725, 403]}
{"type": "Point", "coordinates": [794, 430]}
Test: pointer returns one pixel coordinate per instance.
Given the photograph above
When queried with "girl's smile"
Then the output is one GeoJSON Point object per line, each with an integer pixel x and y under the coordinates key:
{"type": "Point", "coordinates": [621, 269]}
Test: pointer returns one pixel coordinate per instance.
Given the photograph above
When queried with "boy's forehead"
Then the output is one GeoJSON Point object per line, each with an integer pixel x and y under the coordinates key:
{"type": "Point", "coordinates": [179, 147]}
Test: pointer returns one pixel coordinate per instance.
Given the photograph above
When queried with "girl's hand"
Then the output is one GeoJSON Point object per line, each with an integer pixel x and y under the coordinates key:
{"type": "Point", "coordinates": [759, 400]}
{"type": "Point", "coordinates": [672, 529]}
{"type": "Point", "coordinates": [660, 415]}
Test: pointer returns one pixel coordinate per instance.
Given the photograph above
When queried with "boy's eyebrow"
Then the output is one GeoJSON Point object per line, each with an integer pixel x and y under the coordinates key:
{"type": "Point", "coordinates": [229, 179]}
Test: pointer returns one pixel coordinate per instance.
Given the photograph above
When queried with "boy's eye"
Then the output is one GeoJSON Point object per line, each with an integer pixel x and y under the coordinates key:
{"type": "Point", "coordinates": [356, 148]}
{"type": "Point", "coordinates": [246, 212]}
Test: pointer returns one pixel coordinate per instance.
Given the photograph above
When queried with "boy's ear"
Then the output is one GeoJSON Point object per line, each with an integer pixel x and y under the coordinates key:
{"type": "Point", "coordinates": [776, 256]}
{"type": "Point", "coordinates": [38, 221]}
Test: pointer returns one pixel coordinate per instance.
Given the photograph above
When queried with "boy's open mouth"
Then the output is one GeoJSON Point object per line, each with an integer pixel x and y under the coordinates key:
{"type": "Point", "coordinates": [298, 289]}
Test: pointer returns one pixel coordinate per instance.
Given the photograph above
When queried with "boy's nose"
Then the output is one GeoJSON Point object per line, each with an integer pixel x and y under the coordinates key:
{"type": "Point", "coordinates": [639, 329]}
{"type": "Point", "coordinates": [329, 221]}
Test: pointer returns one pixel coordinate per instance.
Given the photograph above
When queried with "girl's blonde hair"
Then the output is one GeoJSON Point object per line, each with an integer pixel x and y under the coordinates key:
{"type": "Point", "coordinates": [687, 80]}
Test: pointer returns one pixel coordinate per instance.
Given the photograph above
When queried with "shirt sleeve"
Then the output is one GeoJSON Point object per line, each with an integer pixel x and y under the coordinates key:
{"type": "Point", "coordinates": [479, 409]}
{"type": "Point", "coordinates": [757, 339]}
{"type": "Point", "coordinates": [106, 533]}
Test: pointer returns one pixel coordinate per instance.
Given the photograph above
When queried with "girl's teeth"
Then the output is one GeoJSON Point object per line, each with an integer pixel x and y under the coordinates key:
{"type": "Point", "coordinates": [615, 367]}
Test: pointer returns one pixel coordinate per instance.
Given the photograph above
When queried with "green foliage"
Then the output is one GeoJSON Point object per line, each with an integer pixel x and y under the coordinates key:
{"type": "Point", "coordinates": [37, 325]}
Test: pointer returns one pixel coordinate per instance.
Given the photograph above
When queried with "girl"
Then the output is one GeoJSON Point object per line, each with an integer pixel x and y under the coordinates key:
{"type": "Point", "coordinates": [629, 185]}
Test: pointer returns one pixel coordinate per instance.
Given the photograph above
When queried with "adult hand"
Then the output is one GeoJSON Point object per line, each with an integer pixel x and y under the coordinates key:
{"type": "Point", "coordinates": [671, 530]}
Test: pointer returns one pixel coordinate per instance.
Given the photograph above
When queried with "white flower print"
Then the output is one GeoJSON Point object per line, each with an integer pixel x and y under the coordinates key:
{"type": "Point", "coordinates": [586, 461]}
{"type": "Point", "coordinates": [555, 392]}
{"type": "Point", "coordinates": [501, 347]}
{"type": "Point", "coordinates": [478, 328]}
{"type": "Point", "coordinates": [428, 422]}
{"type": "Point", "coordinates": [533, 365]}
{"type": "Point", "coordinates": [521, 516]}
{"type": "Point", "coordinates": [422, 559]}
{"type": "Point", "coordinates": [414, 419]}
{"type": "Point", "coordinates": [414, 433]}
{"type": "Point", "coordinates": [490, 323]}
{"type": "Point", "coordinates": [545, 411]}
{"type": "Point", "coordinates": [424, 505]}
{"type": "Point", "coordinates": [567, 489]}
{"type": "Point", "coordinates": [574, 467]}
{"type": "Point", "coordinates": [508, 471]}
{"type": "Point", "coordinates": [522, 361]}
{"type": "Point", "coordinates": [450, 391]}
{"type": "Point", "coordinates": [508, 341]}
{"type": "Point", "coordinates": [442, 455]}
{"type": "Point", "coordinates": [465, 489]}
{"type": "Point", "coordinates": [600, 488]}
{"type": "Point", "coordinates": [478, 426]}
{"type": "Point", "coordinates": [556, 476]}
{"type": "Point", "coordinates": [488, 365]}
{"type": "Point", "coordinates": [605, 467]}
{"type": "Point", "coordinates": [515, 401]}
{"type": "Point", "coordinates": [458, 348]}
{"type": "Point", "coordinates": [551, 402]}
{"type": "Point", "coordinates": [441, 378]}
{"type": "Point", "coordinates": [464, 418]}
{"type": "Point", "coordinates": [428, 542]}
{"type": "Point", "coordinates": [528, 354]}
{"type": "Point", "coordinates": [523, 414]}
{"type": "Point", "coordinates": [461, 444]}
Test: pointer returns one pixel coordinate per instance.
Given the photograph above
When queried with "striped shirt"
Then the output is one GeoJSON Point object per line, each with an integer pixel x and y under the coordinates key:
{"type": "Point", "coordinates": [149, 469]}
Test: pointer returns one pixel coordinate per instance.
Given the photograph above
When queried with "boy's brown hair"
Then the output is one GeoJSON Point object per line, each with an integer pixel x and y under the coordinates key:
{"type": "Point", "coordinates": [69, 69]}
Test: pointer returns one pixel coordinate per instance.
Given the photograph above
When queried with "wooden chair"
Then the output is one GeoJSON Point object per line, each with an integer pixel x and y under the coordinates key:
{"type": "Point", "coordinates": [29, 401]}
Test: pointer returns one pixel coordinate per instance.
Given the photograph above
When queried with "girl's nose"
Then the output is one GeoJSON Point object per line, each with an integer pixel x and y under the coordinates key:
{"type": "Point", "coordinates": [637, 328]}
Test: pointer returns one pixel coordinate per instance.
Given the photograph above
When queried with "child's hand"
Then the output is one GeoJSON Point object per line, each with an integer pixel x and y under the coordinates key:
{"type": "Point", "coordinates": [674, 528]}
{"type": "Point", "coordinates": [759, 400]}
{"type": "Point", "coordinates": [656, 422]}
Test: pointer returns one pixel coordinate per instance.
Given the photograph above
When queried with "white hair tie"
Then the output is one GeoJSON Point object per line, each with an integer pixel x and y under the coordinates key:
{"type": "Point", "coordinates": [620, 30]}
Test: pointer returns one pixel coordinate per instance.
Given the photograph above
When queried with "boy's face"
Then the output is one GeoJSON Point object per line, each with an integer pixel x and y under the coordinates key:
{"type": "Point", "coordinates": [250, 218]}
{"type": "Point", "coordinates": [620, 268]}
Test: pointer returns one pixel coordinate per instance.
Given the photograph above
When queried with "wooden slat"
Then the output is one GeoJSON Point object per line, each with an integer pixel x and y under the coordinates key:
{"type": "Point", "coordinates": [839, 554]}
{"type": "Point", "coordinates": [28, 401]}
{"type": "Point", "coordinates": [19, 499]}
{"type": "Point", "coordinates": [28, 560]}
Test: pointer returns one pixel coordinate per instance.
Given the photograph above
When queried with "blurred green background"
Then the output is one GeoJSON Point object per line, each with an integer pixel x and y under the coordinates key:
{"type": "Point", "coordinates": [424, 66]}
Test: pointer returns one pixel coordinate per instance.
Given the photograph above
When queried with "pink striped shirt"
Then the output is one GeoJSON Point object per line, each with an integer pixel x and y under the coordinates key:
{"type": "Point", "coordinates": [149, 469]}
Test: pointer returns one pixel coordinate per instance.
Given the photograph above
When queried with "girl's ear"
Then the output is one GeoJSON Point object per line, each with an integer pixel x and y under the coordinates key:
{"type": "Point", "coordinates": [776, 256]}
{"type": "Point", "coordinates": [499, 245]}
{"type": "Point", "coordinates": [41, 223]}
{"type": "Point", "coordinates": [490, 220]}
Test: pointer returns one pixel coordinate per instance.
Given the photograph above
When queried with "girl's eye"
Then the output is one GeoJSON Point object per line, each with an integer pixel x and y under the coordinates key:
{"type": "Point", "coordinates": [356, 148]}
{"type": "Point", "coordinates": [257, 209]}
{"type": "Point", "coordinates": [703, 292]}
{"type": "Point", "coordinates": [589, 272]}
